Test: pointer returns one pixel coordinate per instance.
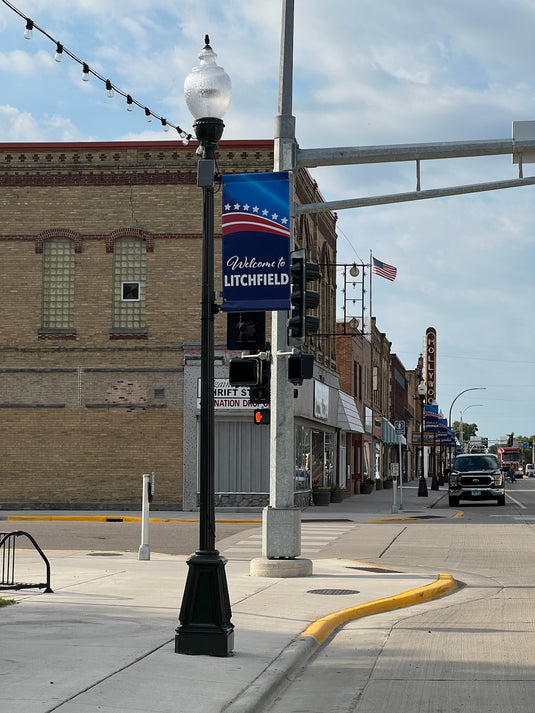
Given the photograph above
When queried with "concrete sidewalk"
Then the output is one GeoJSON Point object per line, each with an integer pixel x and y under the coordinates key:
{"type": "Point", "coordinates": [104, 639]}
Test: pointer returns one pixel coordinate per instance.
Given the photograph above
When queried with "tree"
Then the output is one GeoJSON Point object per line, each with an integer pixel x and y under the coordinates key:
{"type": "Point", "coordinates": [469, 430]}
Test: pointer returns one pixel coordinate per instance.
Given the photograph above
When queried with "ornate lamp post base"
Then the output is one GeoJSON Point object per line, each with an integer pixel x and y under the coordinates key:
{"type": "Point", "coordinates": [205, 626]}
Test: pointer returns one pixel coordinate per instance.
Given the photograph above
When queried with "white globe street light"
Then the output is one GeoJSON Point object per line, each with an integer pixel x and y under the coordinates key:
{"type": "Point", "coordinates": [204, 619]}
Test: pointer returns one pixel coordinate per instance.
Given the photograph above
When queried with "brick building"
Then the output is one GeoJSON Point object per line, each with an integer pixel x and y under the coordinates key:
{"type": "Point", "coordinates": [100, 262]}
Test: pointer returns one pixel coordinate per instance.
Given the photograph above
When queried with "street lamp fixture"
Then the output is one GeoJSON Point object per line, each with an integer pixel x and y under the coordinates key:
{"type": "Point", "coordinates": [422, 485]}
{"type": "Point", "coordinates": [204, 619]}
{"type": "Point", "coordinates": [461, 434]}
{"type": "Point", "coordinates": [473, 388]}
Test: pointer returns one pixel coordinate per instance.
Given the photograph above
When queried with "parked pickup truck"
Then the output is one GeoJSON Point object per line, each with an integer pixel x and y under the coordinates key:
{"type": "Point", "coordinates": [475, 477]}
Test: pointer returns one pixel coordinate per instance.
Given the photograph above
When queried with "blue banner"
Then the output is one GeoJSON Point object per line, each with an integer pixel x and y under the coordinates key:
{"type": "Point", "coordinates": [256, 242]}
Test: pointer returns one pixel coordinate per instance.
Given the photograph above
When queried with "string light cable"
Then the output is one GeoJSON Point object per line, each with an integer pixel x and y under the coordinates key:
{"type": "Point", "coordinates": [111, 89]}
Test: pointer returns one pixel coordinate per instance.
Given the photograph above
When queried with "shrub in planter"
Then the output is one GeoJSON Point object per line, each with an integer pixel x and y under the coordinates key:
{"type": "Point", "coordinates": [337, 494]}
{"type": "Point", "coordinates": [388, 483]}
{"type": "Point", "coordinates": [379, 484]}
{"type": "Point", "coordinates": [321, 496]}
{"type": "Point", "coordinates": [367, 486]}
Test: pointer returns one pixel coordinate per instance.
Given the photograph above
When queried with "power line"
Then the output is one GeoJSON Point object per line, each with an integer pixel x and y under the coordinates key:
{"type": "Point", "coordinates": [87, 71]}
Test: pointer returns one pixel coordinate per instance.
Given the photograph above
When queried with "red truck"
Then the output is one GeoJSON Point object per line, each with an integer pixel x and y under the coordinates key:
{"type": "Point", "coordinates": [508, 455]}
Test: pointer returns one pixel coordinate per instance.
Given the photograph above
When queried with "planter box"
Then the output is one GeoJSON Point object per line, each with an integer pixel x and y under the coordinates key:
{"type": "Point", "coordinates": [337, 496]}
{"type": "Point", "coordinates": [366, 488]}
{"type": "Point", "coordinates": [321, 497]}
{"type": "Point", "coordinates": [387, 484]}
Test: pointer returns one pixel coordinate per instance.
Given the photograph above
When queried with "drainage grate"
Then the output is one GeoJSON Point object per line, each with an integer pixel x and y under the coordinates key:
{"type": "Point", "coordinates": [333, 591]}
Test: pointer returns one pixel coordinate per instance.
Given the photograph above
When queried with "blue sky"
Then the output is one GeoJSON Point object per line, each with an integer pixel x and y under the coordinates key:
{"type": "Point", "coordinates": [365, 73]}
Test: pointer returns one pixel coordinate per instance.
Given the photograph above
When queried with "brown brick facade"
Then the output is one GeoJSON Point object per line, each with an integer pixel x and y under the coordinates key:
{"type": "Point", "coordinates": [85, 411]}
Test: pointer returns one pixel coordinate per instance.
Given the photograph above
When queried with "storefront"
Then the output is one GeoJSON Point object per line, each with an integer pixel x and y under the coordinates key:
{"type": "Point", "coordinates": [242, 448]}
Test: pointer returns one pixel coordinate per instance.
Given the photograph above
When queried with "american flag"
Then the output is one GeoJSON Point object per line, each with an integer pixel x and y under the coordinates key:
{"type": "Point", "coordinates": [384, 270]}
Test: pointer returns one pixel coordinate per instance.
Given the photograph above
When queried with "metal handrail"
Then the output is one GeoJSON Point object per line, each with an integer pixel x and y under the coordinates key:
{"type": "Point", "coordinates": [8, 547]}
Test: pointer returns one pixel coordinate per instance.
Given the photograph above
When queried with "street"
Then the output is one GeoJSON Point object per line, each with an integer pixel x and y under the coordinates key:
{"type": "Point", "coordinates": [469, 651]}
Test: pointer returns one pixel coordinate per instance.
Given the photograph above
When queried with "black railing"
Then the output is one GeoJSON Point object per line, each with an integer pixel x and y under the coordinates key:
{"type": "Point", "coordinates": [8, 549]}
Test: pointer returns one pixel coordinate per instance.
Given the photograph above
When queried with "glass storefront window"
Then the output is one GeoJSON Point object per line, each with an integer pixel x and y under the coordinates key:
{"type": "Point", "coordinates": [302, 458]}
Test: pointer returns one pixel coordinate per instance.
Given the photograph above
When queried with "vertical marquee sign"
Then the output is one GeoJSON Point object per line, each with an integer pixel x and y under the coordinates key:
{"type": "Point", "coordinates": [431, 364]}
{"type": "Point", "coordinates": [256, 242]}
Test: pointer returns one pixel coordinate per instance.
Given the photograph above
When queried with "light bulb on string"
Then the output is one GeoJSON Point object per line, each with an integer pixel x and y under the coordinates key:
{"type": "Point", "coordinates": [29, 29]}
{"type": "Point", "coordinates": [129, 102]}
{"type": "Point", "coordinates": [109, 88]}
{"type": "Point", "coordinates": [148, 115]}
{"type": "Point", "coordinates": [164, 125]}
{"type": "Point", "coordinates": [85, 72]}
{"type": "Point", "coordinates": [59, 52]}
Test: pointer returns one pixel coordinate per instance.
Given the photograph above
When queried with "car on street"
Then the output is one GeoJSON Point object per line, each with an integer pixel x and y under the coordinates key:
{"type": "Point", "coordinates": [529, 470]}
{"type": "Point", "coordinates": [476, 476]}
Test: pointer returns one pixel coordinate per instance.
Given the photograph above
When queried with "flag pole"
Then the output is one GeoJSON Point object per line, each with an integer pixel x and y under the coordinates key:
{"type": "Point", "coordinates": [371, 272]}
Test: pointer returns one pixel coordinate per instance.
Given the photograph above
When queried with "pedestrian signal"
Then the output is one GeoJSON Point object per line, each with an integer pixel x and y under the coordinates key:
{"type": "Point", "coordinates": [262, 416]}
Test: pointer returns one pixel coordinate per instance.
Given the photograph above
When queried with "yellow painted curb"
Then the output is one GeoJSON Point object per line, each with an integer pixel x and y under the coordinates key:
{"type": "Point", "coordinates": [324, 627]}
{"type": "Point", "coordinates": [119, 518]}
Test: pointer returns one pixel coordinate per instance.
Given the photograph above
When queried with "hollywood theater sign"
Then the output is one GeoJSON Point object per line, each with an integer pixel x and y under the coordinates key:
{"type": "Point", "coordinates": [431, 364]}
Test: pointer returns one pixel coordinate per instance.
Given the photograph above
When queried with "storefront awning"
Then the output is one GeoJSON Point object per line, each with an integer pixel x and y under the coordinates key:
{"type": "Point", "coordinates": [348, 416]}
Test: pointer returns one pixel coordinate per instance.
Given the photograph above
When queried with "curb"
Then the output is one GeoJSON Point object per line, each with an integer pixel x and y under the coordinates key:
{"type": "Point", "coordinates": [295, 657]}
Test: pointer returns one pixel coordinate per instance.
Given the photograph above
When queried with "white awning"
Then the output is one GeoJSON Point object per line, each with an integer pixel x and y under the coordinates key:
{"type": "Point", "coordinates": [348, 416]}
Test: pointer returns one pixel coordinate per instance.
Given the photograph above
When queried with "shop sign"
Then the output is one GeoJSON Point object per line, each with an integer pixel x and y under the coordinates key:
{"type": "Point", "coordinates": [227, 397]}
{"type": "Point", "coordinates": [431, 364]}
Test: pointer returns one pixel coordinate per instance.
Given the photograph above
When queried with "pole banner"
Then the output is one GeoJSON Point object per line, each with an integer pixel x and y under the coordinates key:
{"type": "Point", "coordinates": [256, 242]}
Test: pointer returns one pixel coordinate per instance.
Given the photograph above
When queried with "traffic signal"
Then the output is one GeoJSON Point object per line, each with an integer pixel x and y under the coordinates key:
{"type": "Point", "coordinates": [530, 444]}
{"type": "Point", "coordinates": [262, 416]}
{"type": "Point", "coordinates": [244, 372]}
{"type": "Point", "coordinates": [485, 442]}
{"type": "Point", "coordinates": [301, 324]}
{"type": "Point", "coordinates": [261, 393]}
{"type": "Point", "coordinates": [510, 439]}
{"type": "Point", "coordinates": [300, 366]}
{"type": "Point", "coordinates": [246, 331]}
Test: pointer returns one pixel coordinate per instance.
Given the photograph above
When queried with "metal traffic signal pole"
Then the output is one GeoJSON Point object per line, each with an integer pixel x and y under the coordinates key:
{"type": "Point", "coordinates": [281, 520]}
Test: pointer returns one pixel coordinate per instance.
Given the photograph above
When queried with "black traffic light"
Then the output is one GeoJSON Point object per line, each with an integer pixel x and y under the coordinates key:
{"type": "Point", "coordinates": [246, 331]}
{"type": "Point", "coordinates": [262, 416]}
{"type": "Point", "coordinates": [301, 324]}
{"type": "Point", "coordinates": [530, 444]}
{"type": "Point", "coordinates": [244, 372]}
{"type": "Point", "coordinates": [300, 366]}
{"type": "Point", "coordinates": [510, 439]}
{"type": "Point", "coordinates": [261, 393]}
{"type": "Point", "coordinates": [485, 442]}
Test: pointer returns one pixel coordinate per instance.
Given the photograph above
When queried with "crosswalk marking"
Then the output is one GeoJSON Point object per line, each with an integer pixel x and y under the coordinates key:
{"type": "Point", "coordinates": [314, 537]}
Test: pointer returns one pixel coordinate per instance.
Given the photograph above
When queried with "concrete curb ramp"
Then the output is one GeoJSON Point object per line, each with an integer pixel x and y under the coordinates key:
{"type": "Point", "coordinates": [275, 677]}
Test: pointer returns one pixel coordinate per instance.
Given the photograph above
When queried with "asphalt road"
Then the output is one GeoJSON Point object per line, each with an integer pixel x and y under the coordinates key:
{"type": "Point", "coordinates": [470, 652]}
{"type": "Point", "coordinates": [175, 538]}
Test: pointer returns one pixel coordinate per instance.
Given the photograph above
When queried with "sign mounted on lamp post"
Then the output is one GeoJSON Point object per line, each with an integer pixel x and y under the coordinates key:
{"type": "Point", "coordinates": [431, 364]}
{"type": "Point", "coordinates": [256, 242]}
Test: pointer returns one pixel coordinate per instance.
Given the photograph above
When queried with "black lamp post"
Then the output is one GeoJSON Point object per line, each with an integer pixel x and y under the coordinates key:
{"type": "Point", "coordinates": [204, 619]}
{"type": "Point", "coordinates": [422, 485]}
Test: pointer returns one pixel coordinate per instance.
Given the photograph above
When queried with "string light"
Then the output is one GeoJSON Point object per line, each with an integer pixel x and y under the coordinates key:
{"type": "Point", "coordinates": [87, 70]}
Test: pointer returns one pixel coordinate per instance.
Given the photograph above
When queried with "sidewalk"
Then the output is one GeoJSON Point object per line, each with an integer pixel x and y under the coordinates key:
{"type": "Point", "coordinates": [104, 640]}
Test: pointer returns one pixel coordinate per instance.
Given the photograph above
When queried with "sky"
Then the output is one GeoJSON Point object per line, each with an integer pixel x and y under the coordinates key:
{"type": "Point", "coordinates": [365, 74]}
